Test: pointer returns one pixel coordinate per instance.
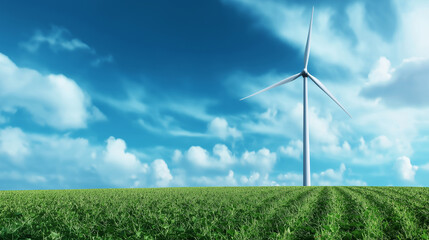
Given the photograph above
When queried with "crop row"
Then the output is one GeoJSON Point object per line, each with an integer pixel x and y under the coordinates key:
{"type": "Point", "coordinates": [217, 213]}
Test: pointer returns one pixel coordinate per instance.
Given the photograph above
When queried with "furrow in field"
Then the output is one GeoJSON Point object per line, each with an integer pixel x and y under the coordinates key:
{"type": "Point", "coordinates": [284, 221]}
{"type": "Point", "coordinates": [273, 222]}
{"type": "Point", "coordinates": [330, 224]}
{"type": "Point", "coordinates": [318, 209]}
{"type": "Point", "coordinates": [360, 221]}
{"type": "Point", "coordinates": [395, 225]}
{"type": "Point", "coordinates": [412, 190]}
{"type": "Point", "coordinates": [267, 203]}
{"type": "Point", "coordinates": [414, 214]}
{"type": "Point", "coordinates": [420, 197]}
{"type": "Point", "coordinates": [417, 196]}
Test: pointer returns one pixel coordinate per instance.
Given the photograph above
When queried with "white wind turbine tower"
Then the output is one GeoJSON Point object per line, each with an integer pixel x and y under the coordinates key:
{"type": "Point", "coordinates": [305, 74]}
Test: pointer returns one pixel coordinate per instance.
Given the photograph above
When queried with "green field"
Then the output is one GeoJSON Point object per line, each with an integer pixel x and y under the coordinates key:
{"type": "Point", "coordinates": [217, 213]}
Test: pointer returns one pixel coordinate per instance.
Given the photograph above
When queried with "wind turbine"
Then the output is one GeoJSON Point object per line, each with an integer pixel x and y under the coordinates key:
{"type": "Point", "coordinates": [304, 74]}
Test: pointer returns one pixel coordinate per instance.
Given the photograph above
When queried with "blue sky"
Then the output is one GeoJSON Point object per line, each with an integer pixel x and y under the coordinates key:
{"type": "Point", "coordinates": [146, 94]}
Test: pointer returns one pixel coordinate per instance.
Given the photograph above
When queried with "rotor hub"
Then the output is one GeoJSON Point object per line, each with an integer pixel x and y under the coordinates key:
{"type": "Point", "coordinates": [304, 73]}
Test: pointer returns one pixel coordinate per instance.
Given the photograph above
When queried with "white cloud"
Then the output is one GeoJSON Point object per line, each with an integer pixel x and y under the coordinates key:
{"type": "Point", "coordinates": [222, 157]}
{"type": "Point", "coordinates": [381, 72]}
{"type": "Point", "coordinates": [271, 113]}
{"type": "Point", "coordinates": [381, 142]}
{"type": "Point", "coordinates": [290, 176]}
{"type": "Point", "coordinates": [198, 156]}
{"type": "Point", "coordinates": [162, 174]}
{"type": "Point", "coordinates": [50, 160]}
{"type": "Point", "coordinates": [354, 182]}
{"type": "Point", "coordinates": [115, 154]}
{"type": "Point", "coordinates": [53, 100]}
{"type": "Point", "coordinates": [362, 145]}
{"type": "Point", "coordinates": [293, 149]}
{"type": "Point", "coordinates": [380, 150]}
{"type": "Point", "coordinates": [405, 169]}
{"type": "Point", "coordinates": [119, 167]}
{"type": "Point", "coordinates": [177, 156]}
{"type": "Point", "coordinates": [219, 127]}
{"type": "Point", "coordinates": [265, 181]}
{"type": "Point", "coordinates": [407, 78]}
{"type": "Point", "coordinates": [263, 159]}
{"type": "Point", "coordinates": [375, 119]}
{"type": "Point", "coordinates": [14, 143]}
{"type": "Point", "coordinates": [60, 154]}
{"type": "Point", "coordinates": [61, 161]}
{"type": "Point", "coordinates": [177, 131]}
{"type": "Point", "coordinates": [228, 180]}
{"type": "Point", "coordinates": [336, 150]}
{"type": "Point", "coordinates": [253, 178]}
{"type": "Point", "coordinates": [225, 156]}
{"type": "Point", "coordinates": [58, 38]}
{"type": "Point", "coordinates": [330, 177]}
{"type": "Point", "coordinates": [290, 179]}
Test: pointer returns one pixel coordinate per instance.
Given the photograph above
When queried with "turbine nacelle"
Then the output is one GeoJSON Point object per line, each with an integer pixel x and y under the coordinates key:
{"type": "Point", "coordinates": [304, 73]}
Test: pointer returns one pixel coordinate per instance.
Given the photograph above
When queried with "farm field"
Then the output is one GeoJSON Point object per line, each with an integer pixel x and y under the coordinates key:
{"type": "Point", "coordinates": [217, 213]}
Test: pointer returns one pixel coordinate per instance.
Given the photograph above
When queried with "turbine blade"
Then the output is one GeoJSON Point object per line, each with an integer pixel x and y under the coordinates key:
{"type": "Point", "coordinates": [286, 80]}
{"type": "Point", "coordinates": [307, 46]}
{"type": "Point", "coordinates": [321, 86]}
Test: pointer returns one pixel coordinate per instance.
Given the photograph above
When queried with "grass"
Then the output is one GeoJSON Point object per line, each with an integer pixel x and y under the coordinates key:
{"type": "Point", "coordinates": [217, 213]}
